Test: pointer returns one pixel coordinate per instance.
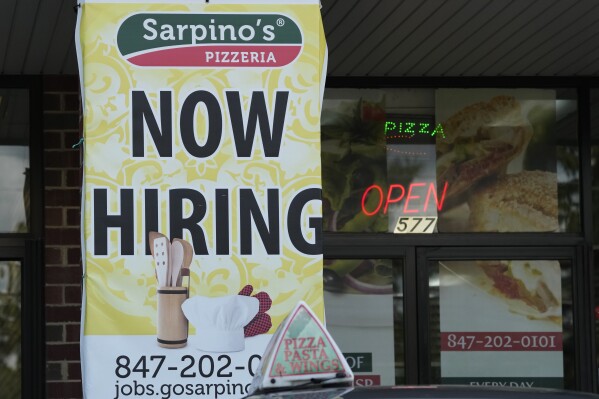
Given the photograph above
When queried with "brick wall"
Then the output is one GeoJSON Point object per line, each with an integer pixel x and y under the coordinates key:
{"type": "Point", "coordinates": [62, 174]}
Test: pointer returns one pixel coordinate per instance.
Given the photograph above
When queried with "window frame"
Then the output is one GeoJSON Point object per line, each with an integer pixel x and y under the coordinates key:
{"type": "Point", "coordinates": [28, 247]}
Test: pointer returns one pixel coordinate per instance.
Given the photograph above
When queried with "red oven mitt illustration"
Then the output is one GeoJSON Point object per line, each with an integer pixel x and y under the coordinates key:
{"type": "Point", "coordinates": [261, 323]}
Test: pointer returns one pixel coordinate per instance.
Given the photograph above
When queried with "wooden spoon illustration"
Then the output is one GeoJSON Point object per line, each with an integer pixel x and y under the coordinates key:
{"type": "Point", "coordinates": [187, 258]}
{"type": "Point", "coordinates": [177, 253]}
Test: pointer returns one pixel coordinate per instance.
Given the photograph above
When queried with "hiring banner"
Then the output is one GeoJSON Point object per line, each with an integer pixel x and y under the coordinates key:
{"type": "Point", "coordinates": [201, 213]}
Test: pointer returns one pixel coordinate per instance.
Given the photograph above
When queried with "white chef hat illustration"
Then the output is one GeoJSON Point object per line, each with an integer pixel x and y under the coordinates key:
{"type": "Point", "coordinates": [219, 321]}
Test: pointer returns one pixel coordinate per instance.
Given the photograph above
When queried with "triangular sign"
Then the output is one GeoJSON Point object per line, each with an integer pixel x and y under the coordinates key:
{"type": "Point", "coordinates": [302, 352]}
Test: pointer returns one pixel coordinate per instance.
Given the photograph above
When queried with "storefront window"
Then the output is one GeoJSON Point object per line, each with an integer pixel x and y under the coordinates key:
{"type": "Point", "coordinates": [501, 322]}
{"type": "Point", "coordinates": [10, 329]}
{"type": "Point", "coordinates": [17, 332]}
{"type": "Point", "coordinates": [364, 313]}
{"type": "Point", "coordinates": [450, 160]}
{"type": "Point", "coordinates": [14, 161]}
{"type": "Point", "coordinates": [595, 163]}
{"type": "Point", "coordinates": [595, 203]}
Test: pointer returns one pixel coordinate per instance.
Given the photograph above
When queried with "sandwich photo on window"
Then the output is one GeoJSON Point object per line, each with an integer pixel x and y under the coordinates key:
{"type": "Point", "coordinates": [483, 157]}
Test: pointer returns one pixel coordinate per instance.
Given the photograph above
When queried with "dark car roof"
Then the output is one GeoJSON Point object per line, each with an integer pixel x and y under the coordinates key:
{"type": "Point", "coordinates": [470, 392]}
{"type": "Point", "coordinates": [431, 392]}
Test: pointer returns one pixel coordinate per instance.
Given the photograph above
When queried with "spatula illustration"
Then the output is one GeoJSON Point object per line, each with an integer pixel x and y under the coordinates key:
{"type": "Point", "coordinates": [162, 259]}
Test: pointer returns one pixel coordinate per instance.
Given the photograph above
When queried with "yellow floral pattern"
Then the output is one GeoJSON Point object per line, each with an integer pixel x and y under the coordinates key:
{"type": "Point", "coordinates": [120, 290]}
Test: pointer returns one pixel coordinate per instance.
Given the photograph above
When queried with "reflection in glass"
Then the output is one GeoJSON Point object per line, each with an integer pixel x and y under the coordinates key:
{"type": "Point", "coordinates": [353, 159]}
{"type": "Point", "coordinates": [14, 189]}
{"type": "Point", "coordinates": [478, 160]}
{"type": "Point", "coordinates": [14, 160]}
{"type": "Point", "coordinates": [364, 312]}
{"type": "Point", "coordinates": [10, 329]}
{"type": "Point", "coordinates": [501, 321]}
{"type": "Point", "coordinates": [568, 161]}
{"type": "Point", "coordinates": [595, 203]}
{"type": "Point", "coordinates": [595, 165]}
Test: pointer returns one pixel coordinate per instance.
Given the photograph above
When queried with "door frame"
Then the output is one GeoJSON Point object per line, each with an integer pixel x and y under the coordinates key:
{"type": "Point", "coordinates": [583, 350]}
{"type": "Point", "coordinates": [28, 248]}
{"type": "Point", "coordinates": [32, 316]}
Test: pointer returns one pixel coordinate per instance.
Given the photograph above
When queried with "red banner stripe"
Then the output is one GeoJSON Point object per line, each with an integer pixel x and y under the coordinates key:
{"type": "Point", "coordinates": [218, 56]}
{"type": "Point", "coordinates": [367, 380]}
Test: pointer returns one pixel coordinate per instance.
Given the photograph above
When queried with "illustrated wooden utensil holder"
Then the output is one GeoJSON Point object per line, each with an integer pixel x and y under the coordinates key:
{"type": "Point", "coordinates": [173, 327]}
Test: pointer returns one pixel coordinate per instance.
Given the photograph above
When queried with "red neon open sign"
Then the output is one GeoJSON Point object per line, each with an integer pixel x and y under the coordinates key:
{"type": "Point", "coordinates": [413, 197]}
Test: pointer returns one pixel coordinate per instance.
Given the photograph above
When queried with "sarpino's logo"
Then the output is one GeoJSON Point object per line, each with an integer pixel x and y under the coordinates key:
{"type": "Point", "coordinates": [209, 40]}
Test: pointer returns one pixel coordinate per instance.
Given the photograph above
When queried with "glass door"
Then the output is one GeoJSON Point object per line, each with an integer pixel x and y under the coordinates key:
{"type": "Point", "coordinates": [10, 328]}
{"type": "Point", "coordinates": [498, 316]}
{"type": "Point", "coordinates": [364, 307]}
{"type": "Point", "coordinates": [22, 357]}
{"type": "Point", "coordinates": [22, 347]}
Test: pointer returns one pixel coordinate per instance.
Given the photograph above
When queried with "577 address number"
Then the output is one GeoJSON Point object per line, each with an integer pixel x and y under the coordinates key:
{"type": "Point", "coordinates": [415, 224]}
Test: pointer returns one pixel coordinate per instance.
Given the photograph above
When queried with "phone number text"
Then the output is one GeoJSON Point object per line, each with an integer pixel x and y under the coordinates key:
{"type": "Point", "coordinates": [187, 366]}
{"type": "Point", "coordinates": [501, 341]}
